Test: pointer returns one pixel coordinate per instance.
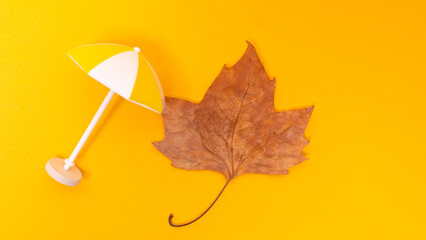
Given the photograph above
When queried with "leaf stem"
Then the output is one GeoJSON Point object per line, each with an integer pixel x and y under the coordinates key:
{"type": "Point", "coordinates": [211, 205]}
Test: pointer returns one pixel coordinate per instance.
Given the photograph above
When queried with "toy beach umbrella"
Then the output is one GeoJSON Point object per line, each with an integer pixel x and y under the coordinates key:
{"type": "Point", "coordinates": [125, 71]}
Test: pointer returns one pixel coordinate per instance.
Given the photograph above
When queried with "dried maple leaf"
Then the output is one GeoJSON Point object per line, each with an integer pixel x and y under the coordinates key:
{"type": "Point", "coordinates": [234, 129]}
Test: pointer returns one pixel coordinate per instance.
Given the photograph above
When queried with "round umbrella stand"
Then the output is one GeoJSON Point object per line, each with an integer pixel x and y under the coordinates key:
{"type": "Point", "coordinates": [55, 168]}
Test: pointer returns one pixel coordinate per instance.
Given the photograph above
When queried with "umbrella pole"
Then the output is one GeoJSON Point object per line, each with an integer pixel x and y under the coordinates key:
{"type": "Point", "coordinates": [70, 161]}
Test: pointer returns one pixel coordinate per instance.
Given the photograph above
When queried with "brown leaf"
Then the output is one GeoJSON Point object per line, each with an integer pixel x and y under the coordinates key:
{"type": "Point", "coordinates": [235, 128]}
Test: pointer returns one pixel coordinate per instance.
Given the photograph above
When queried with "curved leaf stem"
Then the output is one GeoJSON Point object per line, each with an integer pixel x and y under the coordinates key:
{"type": "Point", "coordinates": [211, 205]}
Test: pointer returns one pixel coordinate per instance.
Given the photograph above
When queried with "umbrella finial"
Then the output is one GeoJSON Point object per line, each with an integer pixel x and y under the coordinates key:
{"type": "Point", "coordinates": [137, 49]}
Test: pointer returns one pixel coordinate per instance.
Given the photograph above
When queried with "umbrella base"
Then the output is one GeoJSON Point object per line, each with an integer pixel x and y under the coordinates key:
{"type": "Point", "coordinates": [55, 168]}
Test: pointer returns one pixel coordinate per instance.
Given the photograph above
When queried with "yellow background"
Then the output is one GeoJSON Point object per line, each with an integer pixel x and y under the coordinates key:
{"type": "Point", "coordinates": [362, 63]}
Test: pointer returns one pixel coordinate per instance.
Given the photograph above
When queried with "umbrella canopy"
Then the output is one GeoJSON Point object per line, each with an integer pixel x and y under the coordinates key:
{"type": "Point", "coordinates": [122, 69]}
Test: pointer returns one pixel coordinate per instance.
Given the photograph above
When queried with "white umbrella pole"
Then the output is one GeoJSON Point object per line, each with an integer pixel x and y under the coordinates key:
{"type": "Point", "coordinates": [70, 161]}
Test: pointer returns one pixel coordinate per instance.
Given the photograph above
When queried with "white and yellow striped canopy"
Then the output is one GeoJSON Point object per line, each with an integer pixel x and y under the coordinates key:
{"type": "Point", "coordinates": [122, 69]}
